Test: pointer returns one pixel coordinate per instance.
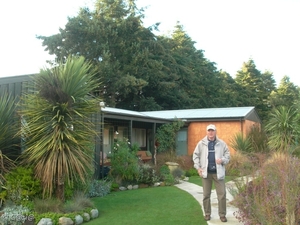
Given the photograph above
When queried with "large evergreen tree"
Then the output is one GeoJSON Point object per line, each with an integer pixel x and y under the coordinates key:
{"type": "Point", "coordinates": [139, 70]}
{"type": "Point", "coordinates": [230, 92]}
{"type": "Point", "coordinates": [287, 94]}
{"type": "Point", "coordinates": [194, 80]}
{"type": "Point", "coordinates": [256, 86]}
{"type": "Point", "coordinates": [113, 37]}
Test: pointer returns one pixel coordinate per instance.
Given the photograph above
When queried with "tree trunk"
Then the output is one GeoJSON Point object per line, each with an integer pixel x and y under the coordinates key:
{"type": "Point", "coordinates": [60, 190]}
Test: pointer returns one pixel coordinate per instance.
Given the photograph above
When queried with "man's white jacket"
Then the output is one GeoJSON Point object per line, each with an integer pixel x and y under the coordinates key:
{"type": "Point", "coordinates": [200, 156]}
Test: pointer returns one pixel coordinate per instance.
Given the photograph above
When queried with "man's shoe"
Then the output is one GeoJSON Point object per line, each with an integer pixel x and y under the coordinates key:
{"type": "Point", "coordinates": [223, 219]}
{"type": "Point", "coordinates": [207, 217]}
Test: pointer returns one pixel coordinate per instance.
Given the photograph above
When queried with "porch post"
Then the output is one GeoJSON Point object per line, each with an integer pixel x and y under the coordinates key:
{"type": "Point", "coordinates": [130, 132]}
{"type": "Point", "coordinates": [154, 138]}
{"type": "Point", "coordinates": [154, 150]}
{"type": "Point", "coordinates": [101, 137]}
{"type": "Point", "coordinates": [97, 145]}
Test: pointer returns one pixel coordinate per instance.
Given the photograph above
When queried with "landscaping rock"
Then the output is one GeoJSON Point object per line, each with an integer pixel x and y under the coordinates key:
{"type": "Point", "coordinates": [86, 217]}
{"type": "Point", "coordinates": [65, 221]}
{"type": "Point", "coordinates": [94, 213]}
{"type": "Point", "coordinates": [45, 221]}
{"type": "Point", "coordinates": [129, 187]}
{"type": "Point", "coordinates": [156, 184]}
{"type": "Point", "coordinates": [78, 220]}
{"type": "Point", "coordinates": [135, 186]}
{"type": "Point", "coordinates": [122, 188]}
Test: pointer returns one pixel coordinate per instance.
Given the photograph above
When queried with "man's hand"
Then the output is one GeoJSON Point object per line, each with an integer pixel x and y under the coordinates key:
{"type": "Point", "coordinates": [219, 161]}
{"type": "Point", "coordinates": [200, 172]}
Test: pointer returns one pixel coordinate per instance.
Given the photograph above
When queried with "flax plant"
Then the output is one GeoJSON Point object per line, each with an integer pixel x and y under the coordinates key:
{"type": "Point", "coordinates": [241, 143]}
{"type": "Point", "coordinates": [57, 124]}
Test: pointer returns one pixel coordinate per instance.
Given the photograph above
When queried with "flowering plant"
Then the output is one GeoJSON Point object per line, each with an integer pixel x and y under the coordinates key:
{"type": "Point", "coordinates": [124, 162]}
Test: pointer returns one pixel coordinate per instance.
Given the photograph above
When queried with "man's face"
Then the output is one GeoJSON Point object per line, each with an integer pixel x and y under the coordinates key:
{"type": "Point", "coordinates": [211, 134]}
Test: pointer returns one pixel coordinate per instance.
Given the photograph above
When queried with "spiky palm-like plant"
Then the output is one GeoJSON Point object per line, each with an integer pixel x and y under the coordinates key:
{"type": "Point", "coordinates": [283, 128]}
{"type": "Point", "coordinates": [58, 126]}
{"type": "Point", "coordinates": [9, 141]}
{"type": "Point", "coordinates": [241, 143]}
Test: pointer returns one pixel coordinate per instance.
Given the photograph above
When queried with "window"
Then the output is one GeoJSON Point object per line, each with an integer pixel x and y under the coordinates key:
{"type": "Point", "coordinates": [121, 133]}
{"type": "Point", "coordinates": [139, 137]}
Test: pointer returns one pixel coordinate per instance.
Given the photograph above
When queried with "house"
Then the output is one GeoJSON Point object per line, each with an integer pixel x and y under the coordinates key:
{"type": "Point", "coordinates": [140, 127]}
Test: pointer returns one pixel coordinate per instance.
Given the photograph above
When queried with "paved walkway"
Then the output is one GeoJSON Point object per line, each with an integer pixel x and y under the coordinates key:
{"type": "Point", "coordinates": [196, 191]}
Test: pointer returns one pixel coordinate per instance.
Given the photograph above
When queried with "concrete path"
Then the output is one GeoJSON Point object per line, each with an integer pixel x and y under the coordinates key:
{"type": "Point", "coordinates": [196, 191]}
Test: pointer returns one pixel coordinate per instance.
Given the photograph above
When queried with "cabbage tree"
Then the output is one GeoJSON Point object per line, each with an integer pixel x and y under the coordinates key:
{"type": "Point", "coordinates": [57, 124]}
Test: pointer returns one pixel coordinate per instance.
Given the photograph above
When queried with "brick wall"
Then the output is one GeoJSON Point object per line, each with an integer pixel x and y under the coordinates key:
{"type": "Point", "coordinates": [225, 131]}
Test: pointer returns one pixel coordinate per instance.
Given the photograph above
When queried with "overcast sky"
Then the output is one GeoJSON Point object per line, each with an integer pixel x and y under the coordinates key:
{"type": "Point", "coordinates": [230, 32]}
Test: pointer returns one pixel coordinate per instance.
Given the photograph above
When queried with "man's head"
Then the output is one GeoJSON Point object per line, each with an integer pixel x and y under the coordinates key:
{"type": "Point", "coordinates": [211, 132]}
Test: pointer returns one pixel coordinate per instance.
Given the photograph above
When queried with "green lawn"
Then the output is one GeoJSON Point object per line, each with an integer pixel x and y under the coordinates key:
{"type": "Point", "coordinates": [196, 180]}
{"type": "Point", "coordinates": [155, 206]}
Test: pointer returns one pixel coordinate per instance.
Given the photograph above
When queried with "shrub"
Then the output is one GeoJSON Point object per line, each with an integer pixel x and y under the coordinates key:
{"type": "Point", "coordinates": [114, 186]}
{"type": "Point", "coordinates": [255, 142]}
{"type": "Point", "coordinates": [99, 188]}
{"type": "Point", "coordinates": [191, 172]}
{"type": "Point", "coordinates": [14, 215]}
{"type": "Point", "coordinates": [124, 163]}
{"type": "Point", "coordinates": [53, 216]}
{"type": "Point", "coordinates": [20, 186]}
{"type": "Point", "coordinates": [166, 176]}
{"type": "Point", "coordinates": [185, 162]}
{"type": "Point", "coordinates": [147, 174]}
{"type": "Point", "coordinates": [169, 180]}
{"type": "Point", "coordinates": [272, 197]}
{"type": "Point", "coordinates": [77, 185]}
{"type": "Point", "coordinates": [259, 140]}
{"type": "Point", "coordinates": [177, 173]}
{"type": "Point", "coordinates": [164, 170]}
{"type": "Point", "coordinates": [241, 143]}
{"type": "Point", "coordinates": [78, 203]}
{"type": "Point", "coordinates": [239, 165]}
{"type": "Point", "coordinates": [47, 205]}
{"type": "Point", "coordinates": [54, 208]}
{"type": "Point", "coordinates": [162, 158]}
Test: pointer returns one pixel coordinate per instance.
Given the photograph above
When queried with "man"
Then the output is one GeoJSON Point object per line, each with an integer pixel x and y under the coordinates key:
{"type": "Point", "coordinates": [210, 157]}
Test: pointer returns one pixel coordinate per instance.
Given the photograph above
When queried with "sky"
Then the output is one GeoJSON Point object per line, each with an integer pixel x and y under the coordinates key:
{"type": "Point", "coordinates": [230, 32]}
